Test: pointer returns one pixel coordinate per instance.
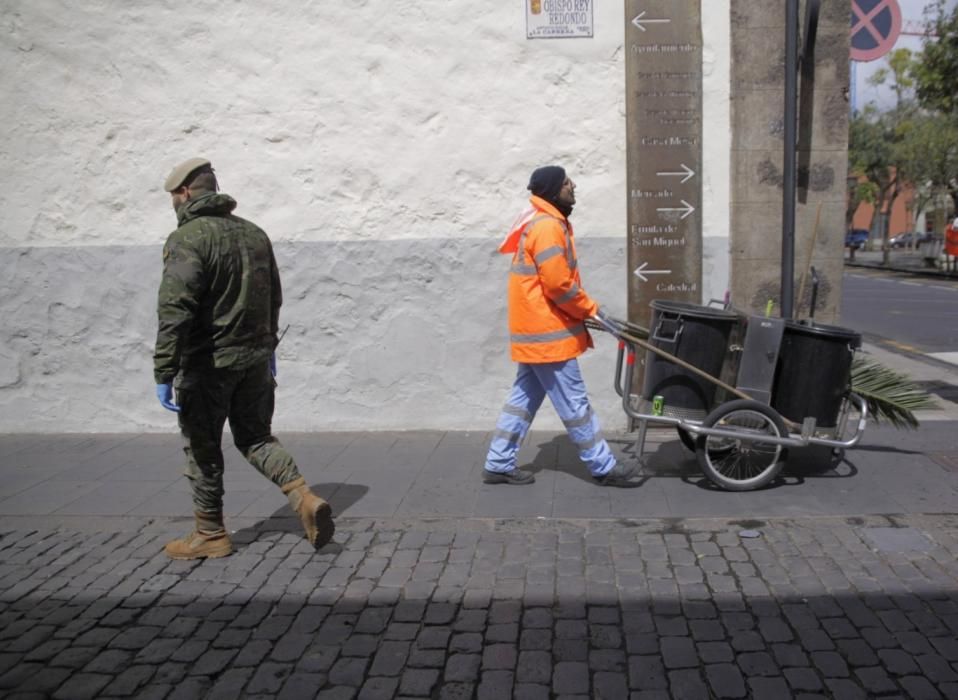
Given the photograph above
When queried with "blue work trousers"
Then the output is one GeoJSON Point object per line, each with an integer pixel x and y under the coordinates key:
{"type": "Point", "coordinates": [562, 383]}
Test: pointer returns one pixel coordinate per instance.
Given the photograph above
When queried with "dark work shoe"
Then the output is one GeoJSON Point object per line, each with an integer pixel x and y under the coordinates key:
{"type": "Point", "coordinates": [620, 476]}
{"type": "Point", "coordinates": [516, 477]}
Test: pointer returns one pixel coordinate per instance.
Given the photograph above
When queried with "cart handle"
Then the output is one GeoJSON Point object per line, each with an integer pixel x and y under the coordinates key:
{"type": "Point", "coordinates": [679, 327]}
{"type": "Point", "coordinates": [617, 384]}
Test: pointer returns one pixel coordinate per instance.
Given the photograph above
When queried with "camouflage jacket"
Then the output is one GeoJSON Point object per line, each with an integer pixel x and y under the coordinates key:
{"type": "Point", "coordinates": [220, 294]}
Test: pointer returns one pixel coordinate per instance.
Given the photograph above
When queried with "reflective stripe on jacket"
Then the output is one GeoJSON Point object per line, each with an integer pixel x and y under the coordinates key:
{"type": "Point", "coordinates": [547, 305]}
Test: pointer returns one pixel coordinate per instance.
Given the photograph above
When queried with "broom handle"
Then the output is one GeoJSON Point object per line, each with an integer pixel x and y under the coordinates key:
{"type": "Point", "coordinates": [808, 264]}
{"type": "Point", "coordinates": [685, 365]}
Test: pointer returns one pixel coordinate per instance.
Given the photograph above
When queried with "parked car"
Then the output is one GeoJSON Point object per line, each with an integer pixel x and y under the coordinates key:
{"type": "Point", "coordinates": [856, 238]}
{"type": "Point", "coordinates": [903, 240]}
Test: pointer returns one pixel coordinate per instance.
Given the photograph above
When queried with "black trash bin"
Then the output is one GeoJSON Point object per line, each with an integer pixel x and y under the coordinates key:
{"type": "Point", "coordinates": [814, 371]}
{"type": "Point", "coordinates": [697, 334]}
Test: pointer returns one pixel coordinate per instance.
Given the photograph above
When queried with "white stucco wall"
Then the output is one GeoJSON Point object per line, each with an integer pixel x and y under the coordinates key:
{"type": "Point", "coordinates": [716, 146]}
{"type": "Point", "coordinates": [384, 146]}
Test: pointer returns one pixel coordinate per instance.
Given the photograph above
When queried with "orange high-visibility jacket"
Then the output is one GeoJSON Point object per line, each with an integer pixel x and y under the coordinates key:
{"type": "Point", "coordinates": [951, 239]}
{"type": "Point", "coordinates": [547, 305]}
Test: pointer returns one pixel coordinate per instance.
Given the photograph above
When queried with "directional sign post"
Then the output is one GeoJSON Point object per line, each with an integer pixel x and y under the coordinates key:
{"type": "Point", "coordinates": [663, 40]}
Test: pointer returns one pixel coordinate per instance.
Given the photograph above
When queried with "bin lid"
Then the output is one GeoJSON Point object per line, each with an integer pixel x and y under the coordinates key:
{"type": "Point", "coordinates": [822, 330]}
{"type": "Point", "coordinates": [692, 310]}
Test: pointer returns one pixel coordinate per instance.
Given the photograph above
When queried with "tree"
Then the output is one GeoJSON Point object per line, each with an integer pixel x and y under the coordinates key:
{"type": "Point", "coordinates": [871, 139]}
{"type": "Point", "coordinates": [936, 86]}
{"type": "Point", "coordinates": [858, 193]}
{"type": "Point", "coordinates": [896, 124]}
{"type": "Point", "coordinates": [927, 154]}
{"type": "Point", "coordinates": [936, 70]}
{"type": "Point", "coordinates": [901, 68]}
{"type": "Point", "coordinates": [916, 141]}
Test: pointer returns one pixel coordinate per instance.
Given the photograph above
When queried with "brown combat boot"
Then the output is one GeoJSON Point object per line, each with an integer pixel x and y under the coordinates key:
{"type": "Point", "coordinates": [208, 541]}
{"type": "Point", "coordinates": [314, 512]}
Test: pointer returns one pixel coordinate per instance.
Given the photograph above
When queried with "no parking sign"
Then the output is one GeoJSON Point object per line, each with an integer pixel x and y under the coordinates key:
{"type": "Point", "coordinates": [876, 25]}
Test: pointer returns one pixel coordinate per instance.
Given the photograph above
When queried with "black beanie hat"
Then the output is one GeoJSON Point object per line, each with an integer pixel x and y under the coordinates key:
{"type": "Point", "coordinates": [546, 182]}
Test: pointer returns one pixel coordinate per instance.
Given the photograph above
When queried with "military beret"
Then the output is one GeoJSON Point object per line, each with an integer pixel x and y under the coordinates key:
{"type": "Point", "coordinates": [181, 173]}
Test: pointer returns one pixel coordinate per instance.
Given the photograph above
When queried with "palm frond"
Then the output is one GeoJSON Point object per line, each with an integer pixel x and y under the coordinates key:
{"type": "Point", "coordinates": [892, 397]}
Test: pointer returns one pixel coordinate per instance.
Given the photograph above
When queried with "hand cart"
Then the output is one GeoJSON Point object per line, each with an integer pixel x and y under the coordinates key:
{"type": "Point", "coordinates": [741, 442]}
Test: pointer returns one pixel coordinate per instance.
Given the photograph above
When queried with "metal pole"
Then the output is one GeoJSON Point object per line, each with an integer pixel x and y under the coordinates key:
{"type": "Point", "coordinates": [788, 183]}
{"type": "Point", "coordinates": [853, 98]}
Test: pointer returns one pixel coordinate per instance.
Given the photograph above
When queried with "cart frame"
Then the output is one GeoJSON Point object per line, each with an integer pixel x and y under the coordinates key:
{"type": "Point", "coordinates": [779, 436]}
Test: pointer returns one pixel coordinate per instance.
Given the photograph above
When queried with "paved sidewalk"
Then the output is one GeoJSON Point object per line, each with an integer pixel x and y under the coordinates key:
{"type": "Point", "coordinates": [900, 260]}
{"type": "Point", "coordinates": [73, 479]}
{"type": "Point", "coordinates": [438, 586]}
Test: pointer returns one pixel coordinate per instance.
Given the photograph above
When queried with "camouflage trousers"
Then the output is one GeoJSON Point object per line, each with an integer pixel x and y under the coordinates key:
{"type": "Point", "coordinates": [207, 399]}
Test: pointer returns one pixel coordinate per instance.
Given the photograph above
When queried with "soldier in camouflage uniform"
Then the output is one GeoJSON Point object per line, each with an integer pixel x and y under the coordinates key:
{"type": "Point", "coordinates": [218, 311]}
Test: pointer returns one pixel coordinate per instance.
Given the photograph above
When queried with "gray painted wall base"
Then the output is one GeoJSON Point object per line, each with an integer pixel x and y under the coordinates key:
{"type": "Point", "coordinates": [385, 334]}
{"type": "Point", "coordinates": [395, 335]}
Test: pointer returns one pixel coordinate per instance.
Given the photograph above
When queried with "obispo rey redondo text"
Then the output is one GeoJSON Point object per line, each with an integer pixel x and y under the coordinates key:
{"type": "Point", "coordinates": [567, 11]}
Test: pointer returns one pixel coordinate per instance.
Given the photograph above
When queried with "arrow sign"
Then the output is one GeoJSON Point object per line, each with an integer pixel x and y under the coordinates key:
{"type": "Point", "coordinates": [638, 21]}
{"type": "Point", "coordinates": [641, 272]}
{"type": "Point", "coordinates": [686, 208]}
{"type": "Point", "coordinates": [687, 172]}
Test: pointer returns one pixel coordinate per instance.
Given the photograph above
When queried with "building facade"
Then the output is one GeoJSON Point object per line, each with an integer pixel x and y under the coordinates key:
{"type": "Point", "coordinates": [385, 147]}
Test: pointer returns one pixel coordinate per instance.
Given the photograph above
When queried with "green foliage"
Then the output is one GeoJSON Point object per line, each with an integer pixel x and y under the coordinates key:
{"type": "Point", "coordinates": [901, 69]}
{"type": "Point", "coordinates": [871, 153]}
{"type": "Point", "coordinates": [865, 192]}
{"type": "Point", "coordinates": [936, 69]}
{"type": "Point", "coordinates": [870, 135]}
{"type": "Point", "coordinates": [908, 143]}
{"type": "Point", "coordinates": [927, 150]}
{"type": "Point", "coordinates": [860, 192]}
{"type": "Point", "coordinates": [891, 397]}
{"type": "Point", "coordinates": [902, 63]}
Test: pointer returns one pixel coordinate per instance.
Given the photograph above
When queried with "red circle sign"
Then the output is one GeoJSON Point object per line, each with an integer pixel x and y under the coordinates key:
{"type": "Point", "coordinates": [876, 25]}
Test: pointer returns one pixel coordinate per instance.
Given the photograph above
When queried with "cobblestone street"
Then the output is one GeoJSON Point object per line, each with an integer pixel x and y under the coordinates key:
{"type": "Point", "coordinates": [502, 350]}
{"type": "Point", "coordinates": [447, 608]}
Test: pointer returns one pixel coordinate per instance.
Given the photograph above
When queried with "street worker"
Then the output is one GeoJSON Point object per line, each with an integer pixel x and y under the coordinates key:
{"type": "Point", "coordinates": [951, 244]}
{"type": "Point", "coordinates": [547, 310]}
{"type": "Point", "coordinates": [218, 310]}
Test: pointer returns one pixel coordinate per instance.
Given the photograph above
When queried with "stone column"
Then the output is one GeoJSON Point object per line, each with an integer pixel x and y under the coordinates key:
{"type": "Point", "coordinates": [757, 93]}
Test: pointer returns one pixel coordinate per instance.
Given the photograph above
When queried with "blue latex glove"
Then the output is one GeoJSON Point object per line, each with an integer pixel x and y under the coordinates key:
{"type": "Point", "coordinates": [272, 364]}
{"type": "Point", "coordinates": [164, 392]}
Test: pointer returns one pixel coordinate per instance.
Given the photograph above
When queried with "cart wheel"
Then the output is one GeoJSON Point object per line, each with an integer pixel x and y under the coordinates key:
{"type": "Point", "coordinates": [686, 437]}
{"type": "Point", "coordinates": [688, 440]}
{"type": "Point", "coordinates": [746, 463]}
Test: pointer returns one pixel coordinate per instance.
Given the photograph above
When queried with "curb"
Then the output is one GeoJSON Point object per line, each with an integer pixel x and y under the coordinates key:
{"type": "Point", "coordinates": [920, 272]}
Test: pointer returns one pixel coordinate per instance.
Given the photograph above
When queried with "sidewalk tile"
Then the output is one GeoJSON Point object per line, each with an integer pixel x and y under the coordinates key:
{"type": "Point", "coordinates": [112, 498]}
{"type": "Point", "coordinates": [46, 498]}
